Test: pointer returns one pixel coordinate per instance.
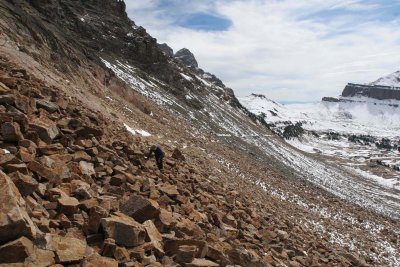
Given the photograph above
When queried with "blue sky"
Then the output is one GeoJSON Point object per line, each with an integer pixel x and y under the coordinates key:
{"type": "Point", "coordinates": [289, 50]}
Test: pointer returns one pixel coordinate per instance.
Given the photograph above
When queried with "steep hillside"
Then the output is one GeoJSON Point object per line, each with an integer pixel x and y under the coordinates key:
{"type": "Point", "coordinates": [85, 92]}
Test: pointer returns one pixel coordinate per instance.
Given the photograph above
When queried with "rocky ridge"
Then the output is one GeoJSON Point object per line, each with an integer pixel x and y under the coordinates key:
{"type": "Point", "coordinates": [196, 110]}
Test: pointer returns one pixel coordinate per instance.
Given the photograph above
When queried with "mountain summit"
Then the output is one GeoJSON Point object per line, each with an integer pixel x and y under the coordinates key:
{"type": "Point", "coordinates": [186, 57]}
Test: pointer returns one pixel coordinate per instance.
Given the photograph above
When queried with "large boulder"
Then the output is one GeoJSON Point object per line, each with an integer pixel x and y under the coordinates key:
{"type": "Point", "coordinates": [25, 183]}
{"type": "Point", "coordinates": [140, 208]}
{"type": "Point", "coordinates": [11, 132]}
{"type": "Point", "coordinates": [46, 130]}
{"type": "Point", "coordinates": [124, 230]}
{"type": "Point", "coordinates": [16, 251]}
{"type": "Point", "coordinates": [67, 249]}
{"type": "Point", "coordinates": [14, 219]}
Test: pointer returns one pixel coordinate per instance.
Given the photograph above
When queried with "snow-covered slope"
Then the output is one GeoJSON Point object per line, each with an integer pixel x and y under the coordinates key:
{"type": "Point", "coordinates": [347, 131]}
{"type": "Point", "coordinates": [390, 80]}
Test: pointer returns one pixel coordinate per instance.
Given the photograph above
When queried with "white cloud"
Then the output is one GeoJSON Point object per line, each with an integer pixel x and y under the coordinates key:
{"type": "Point", "coordinates": [280, 48]}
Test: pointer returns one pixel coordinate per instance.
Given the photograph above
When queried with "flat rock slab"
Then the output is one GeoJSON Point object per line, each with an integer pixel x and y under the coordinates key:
{"type": "Point", "coordinates": [14, 219]}
{"type": "Point", "coordinates": [67, 249]}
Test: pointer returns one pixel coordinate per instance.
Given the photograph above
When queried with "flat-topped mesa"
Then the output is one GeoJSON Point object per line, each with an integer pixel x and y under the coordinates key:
{"type": "Point", "coordinates": [186, 57]}
{"type": "Point", "coordinates": [379, 92]}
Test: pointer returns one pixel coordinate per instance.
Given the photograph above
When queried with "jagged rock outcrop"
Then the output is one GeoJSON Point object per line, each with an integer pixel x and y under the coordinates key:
{"type": "Point", "coordinates": [186, 57]}
{"type": "Point", "coordinates": [166, 49]}
{"type": "Point", "coordinates": [372, 91]}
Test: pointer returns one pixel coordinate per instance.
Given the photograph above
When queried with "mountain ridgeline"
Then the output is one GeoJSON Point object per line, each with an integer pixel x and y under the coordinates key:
{"type": "Point", "coordinates": [84, 93]}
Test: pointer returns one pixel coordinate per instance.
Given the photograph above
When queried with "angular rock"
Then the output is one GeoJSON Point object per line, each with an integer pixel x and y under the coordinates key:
{"type": "Point", "coordinates": [16, 251]}
{"type": "Point", "coordinates": [68, 205]}
{"type": "Point", "coordinates": [244, 257]}
{"type": "Point", "coordinates": [25, 183]}
{"type": "Point", "coordinates": [14, 220]}
{"type": "Point", "coordinates": [82, 156]}
{"type": "Point", "coordinates": [86, 168]}
{"type": "Point", "coordinates": [186, 254]}
{"type": "Point", "coordinates": [87, 131]}
{"type": "Point", "coordinates": [95, 215]}
{"type": "Point", "coordinates": [67, 249]}
{"type": "Point", "coordinates": [121, 254]}
{"type": "Point", "coordinates": [17, 168]}
{"type": "Point", "coordinates": [108, 248]}
{"type": "Point", "coordinates": [154, 236]}
{"type": "Point", "coordinates": [96, 260]}
{"type": "Point", "coordinates": [170, 190]}
{"type": "Point", "coordinates": [11, 132]}
{"type": "Point", "coordinates": [46, 105]}
{"type": "Point", "coordinates": [43, 258]}
{"type": "Point", "coordinates": [140, 208]}
{"type": "Point", "coordinates": [117, 180]}
{"type": "Point", "coordinates": [47, 132]}
{"type": "Point", "coordinates": [177, 154]}
{"type": "Point", "coordinates": [42, 171]}
{"type": "Point", "coordinates": [52, 149]}
{"type": "Point", "coordinates": [124, 230]}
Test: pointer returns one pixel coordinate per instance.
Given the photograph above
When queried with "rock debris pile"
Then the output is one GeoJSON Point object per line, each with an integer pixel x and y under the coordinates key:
{"type": "Point", "coordinates": [75, 190]}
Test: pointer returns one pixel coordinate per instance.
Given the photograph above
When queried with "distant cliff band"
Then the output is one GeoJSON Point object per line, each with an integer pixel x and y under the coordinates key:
{"type": "Point", "coordinates": [373, 91]}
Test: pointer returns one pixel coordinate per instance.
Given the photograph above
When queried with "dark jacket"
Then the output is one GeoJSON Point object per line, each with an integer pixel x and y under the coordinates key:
{"type": "Point", "coordinates": [158, 153]}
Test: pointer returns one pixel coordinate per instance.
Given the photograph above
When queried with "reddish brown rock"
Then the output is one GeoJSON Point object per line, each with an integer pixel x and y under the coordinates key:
{"type": "Point", "coordinates": [204, 263]}
{"type": "Point", "coordinates": [46, 131]}
{"type": "Point", "coordinates": [154, 236]}
{"type": "Point", "coordinates": [140, 208]}
{"type": "Point", "coordinates": [25, 183]}
{"type": "Point", "coordinates": [124, 230]}
{"type": "Point", "coordinates": [11, 132]}
{"type": "Point", "coordinates": [16, 251]}
{"type": "Point", "coordinates": [14, 220]}
{"type": "Point", "coordinates": [68, 205]}
{"type": "Point", "coordinates": [177, 154]}
{"type": "Point", "coordinates": [44, 172]}
{"type": "Point", "coordinates": [67, 249]}
{"type": "Point", "coordinates": [95, 215]}
{"type": "Point", "coordinates": [96, 260]}
{"type": "Point", "coordinates": [186, 254]}
{"type": "Point", "coordinates": [21, 167]}
{"type": "Point", "coordinates": [170, 190]}
{"type": "Point", "coordinates": [81, 156]}
{"type": "Point", "coordinates": [52, 149]}
{"type": "Point", "coordinates": [43, 258]}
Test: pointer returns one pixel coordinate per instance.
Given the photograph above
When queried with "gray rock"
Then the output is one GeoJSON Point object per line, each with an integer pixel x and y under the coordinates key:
{"type": "Point", "coordinates": [166, 49]}
{"type": "Point", "coordinates": [46, 105]}
{"type": "Point", "coordinates": [186, 57]}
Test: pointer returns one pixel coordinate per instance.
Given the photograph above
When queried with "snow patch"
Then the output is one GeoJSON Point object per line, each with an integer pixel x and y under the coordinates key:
{"type": "Point", "coordinates": [137, 131]}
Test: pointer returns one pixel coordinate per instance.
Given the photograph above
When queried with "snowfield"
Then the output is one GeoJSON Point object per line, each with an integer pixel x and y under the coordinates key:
{"type": "Point", "coordinates": [346, 173]}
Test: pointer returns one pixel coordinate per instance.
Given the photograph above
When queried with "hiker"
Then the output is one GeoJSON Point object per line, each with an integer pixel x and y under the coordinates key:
{"type": "Point", "coordinates": [159, 155]}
